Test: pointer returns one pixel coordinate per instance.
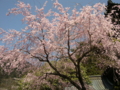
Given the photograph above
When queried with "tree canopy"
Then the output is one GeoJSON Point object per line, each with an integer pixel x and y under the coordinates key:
{"type": "Point", "coordinates": [56, 35]}
{"type": "Point", "coordinates": [113, 11]}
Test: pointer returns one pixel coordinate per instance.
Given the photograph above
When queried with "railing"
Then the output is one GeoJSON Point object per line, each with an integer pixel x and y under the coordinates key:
{"type": "Point", "coordinates": [70, 88]}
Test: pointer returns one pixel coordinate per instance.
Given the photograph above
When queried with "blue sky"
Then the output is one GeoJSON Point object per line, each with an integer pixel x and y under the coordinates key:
{"type": "Point", "coordinates": [14, 22]}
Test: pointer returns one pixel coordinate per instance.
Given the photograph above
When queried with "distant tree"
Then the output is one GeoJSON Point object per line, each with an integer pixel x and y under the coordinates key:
{"type": "Point", "coordinates": [111, 73]}
{"type": "Point", "coordinates": [113, 11]}
{"type": "Point", "coordinates": [94, 64]}
{"type": "Point", "coordinates": [56, 35]}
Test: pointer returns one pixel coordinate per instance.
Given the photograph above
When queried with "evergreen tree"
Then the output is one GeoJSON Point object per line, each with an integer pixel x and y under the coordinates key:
{"type": "Point", "coordinates": [113, 10]}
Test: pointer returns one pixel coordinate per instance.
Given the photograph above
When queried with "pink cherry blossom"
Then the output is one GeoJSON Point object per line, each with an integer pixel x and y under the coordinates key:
{"type": "Point", "coordinates": [45, 39]}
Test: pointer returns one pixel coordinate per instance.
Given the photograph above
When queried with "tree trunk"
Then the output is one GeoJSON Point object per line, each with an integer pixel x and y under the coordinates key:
{"type": "Point", "coordinates": [80, 77]}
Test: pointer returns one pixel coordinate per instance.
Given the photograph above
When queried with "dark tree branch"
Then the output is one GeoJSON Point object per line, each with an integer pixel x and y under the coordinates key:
{"type": "Point", "coordinates": [68, 44]}
{"type": "Point", "coordinates": [69, 79]}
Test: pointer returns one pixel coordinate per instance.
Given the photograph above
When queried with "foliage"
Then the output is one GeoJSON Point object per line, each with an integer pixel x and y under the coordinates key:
{"type": "Point", "coordinates": [8, 83]}
{"type": "Point", "coordinates": [117, 88]}
{"type": "Point", "coordinates": [47, 83]}
{"type": "Point", "coordinates": [56, 83]}
{"type": "Point", "coordinates": [85, 75]}
{"type": "Point", "coordinates": [94, 63]}
{"type": "Point", "coordinates": [112, 11]}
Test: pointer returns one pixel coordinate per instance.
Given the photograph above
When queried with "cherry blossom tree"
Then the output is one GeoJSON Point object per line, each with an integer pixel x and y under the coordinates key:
{"type": "Point", "coordinates": [56, 35]}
